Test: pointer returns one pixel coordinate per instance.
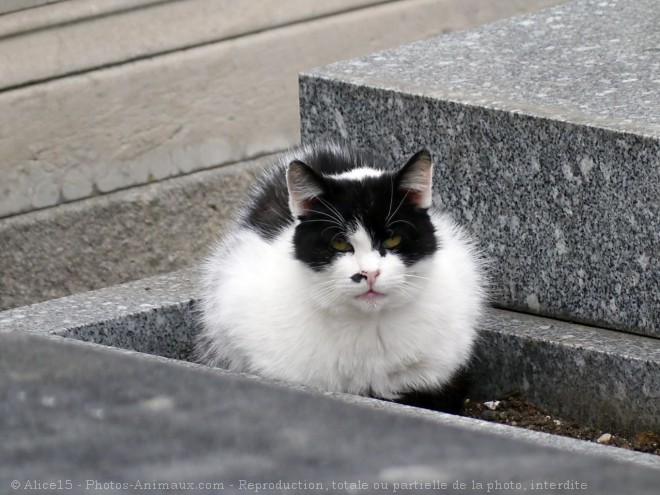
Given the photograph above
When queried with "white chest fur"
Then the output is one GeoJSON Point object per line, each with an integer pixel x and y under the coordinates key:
{"type": "Point", "coordinates": [265, 312]}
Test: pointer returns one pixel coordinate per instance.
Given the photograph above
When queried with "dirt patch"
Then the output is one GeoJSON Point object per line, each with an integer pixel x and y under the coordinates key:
{"type": "Point", "coordinates": [515, 412]}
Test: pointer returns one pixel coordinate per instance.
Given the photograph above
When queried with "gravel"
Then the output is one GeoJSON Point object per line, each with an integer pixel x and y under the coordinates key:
{"type": "Point", "coordinates": [515, 412]}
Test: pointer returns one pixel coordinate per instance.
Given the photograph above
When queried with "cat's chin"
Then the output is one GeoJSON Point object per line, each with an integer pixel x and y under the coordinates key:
{"type": "Point", "coordinates": [371, 301]}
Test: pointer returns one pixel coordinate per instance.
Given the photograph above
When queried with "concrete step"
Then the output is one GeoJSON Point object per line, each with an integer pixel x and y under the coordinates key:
{"type": "Point", "coordinates": [599, 377]}
{"type": "Point", "coordinates": [546, 135]}
{"type": "Point", "coordinates": [100, 96]}
{"type": "Point", "coordinates": [122, 236]}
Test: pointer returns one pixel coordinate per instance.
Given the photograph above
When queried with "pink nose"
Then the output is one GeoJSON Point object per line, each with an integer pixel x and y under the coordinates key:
{"type": "Point", "coordinates": [371, 276]}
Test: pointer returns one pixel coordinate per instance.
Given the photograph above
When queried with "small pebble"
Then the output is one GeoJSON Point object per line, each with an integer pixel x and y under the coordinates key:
{"type": "Point", "coordinates": [604, 438]}
{"type": "Point", "coordinates": [492, 404]}
{"type": "Point", "coordinates": [488, 414]}
{"type": "Point", "coordinates": [97, 413]}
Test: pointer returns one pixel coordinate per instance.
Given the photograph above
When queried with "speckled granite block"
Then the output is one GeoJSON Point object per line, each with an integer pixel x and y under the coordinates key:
{"type": "Point", "coordinates": [601, 377]}
{"type": "Point", "coordinates": [546, 135]}
{"type": "Point", "coordinates": [608, 379]}
{"type": "Point", "coordinates": [154, 315]}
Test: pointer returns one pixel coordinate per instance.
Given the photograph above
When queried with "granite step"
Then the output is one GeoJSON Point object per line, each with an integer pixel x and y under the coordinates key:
{"type": "Point", "coordinates": [545, 130]}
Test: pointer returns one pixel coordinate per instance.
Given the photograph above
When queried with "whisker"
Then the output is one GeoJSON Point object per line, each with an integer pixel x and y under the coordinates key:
{"type": "Point", "coordinates": [389, 210]}
{"type": "Point", "coordinates": [325, 296]}
{"type": "Point", "coordinates": [331, 214]}
{"type": "Point", "coordinates": [335, 219]}
{"type": "Point", "coordinates": [335, 236]}
{"type": "Point", "coordinates": [416, 276]}
{"type": "Point", "coordinates": [334, 224]}
{"type": "Point", "coordinates": [332, 227]}
{"type": "Point", "coordinates": [340, 217]}
{"type": "Point", "coordinates": [327, 283]}
{"type": "Point", "coordinates": [410, 285]}
{"type": "Point", "coordinates": [398, 207]}
{"type": "Point", "coordinates": [328, 299]}
{"type": "Point", "coordinates": [402, 221]}
{"type": "Point", "coordinates": [406, 290]}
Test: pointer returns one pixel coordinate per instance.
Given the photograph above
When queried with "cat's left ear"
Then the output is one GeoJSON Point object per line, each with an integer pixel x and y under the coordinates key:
{"type": "Point", "coordinates": [304, 185]}
{"type": "Point", "coordinates": [415, 179]}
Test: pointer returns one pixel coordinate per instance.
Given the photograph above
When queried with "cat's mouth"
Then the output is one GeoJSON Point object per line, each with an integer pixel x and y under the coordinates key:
{"type": "Point", "coordinates": [370, 295]}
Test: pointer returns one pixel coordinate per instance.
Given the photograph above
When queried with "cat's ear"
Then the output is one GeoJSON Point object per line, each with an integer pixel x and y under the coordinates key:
{"type": "Point", "coordinates": [415, 179]}
{"type": "Point", "coordinates": [304, 186]}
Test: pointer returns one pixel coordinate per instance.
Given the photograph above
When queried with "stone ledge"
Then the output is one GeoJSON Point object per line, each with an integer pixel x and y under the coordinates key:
{"type": "Point", "coordinates": [9, 6]}
{"type": "Point", "coordinates": [114, 416]}
{"type": "Point", "coordinates": [551, 362]}
{"type": "Point", "coordinates": [546, 138]}
{"type": "Point", "coordinates": [598, 377]}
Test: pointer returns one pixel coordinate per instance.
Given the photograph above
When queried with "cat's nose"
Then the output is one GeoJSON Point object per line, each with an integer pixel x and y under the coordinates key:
{"type": "Point", "coordinates": [371, 276]}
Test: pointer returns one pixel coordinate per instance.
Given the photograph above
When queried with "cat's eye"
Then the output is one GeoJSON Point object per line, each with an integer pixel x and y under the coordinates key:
{"type": "Point", "coordinates": [341, 245]}
{"type": "Point", "coordinates": [392, 242]}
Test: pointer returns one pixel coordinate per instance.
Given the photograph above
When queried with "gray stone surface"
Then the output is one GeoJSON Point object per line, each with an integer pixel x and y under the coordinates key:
{"type": "Point", "coordinates": [546, 133]}
{"type": "Point", "coordinates": [118, 237]}
{"type": "Point", "coordinates": [154, 315]}
{"type": "Point", "coordinates": [100, 420]}
{"type": "Point", "coordinates": [604, 378]}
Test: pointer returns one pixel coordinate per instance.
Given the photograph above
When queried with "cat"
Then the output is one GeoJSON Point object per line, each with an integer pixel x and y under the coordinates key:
{"type": "Point", "coordinates": [339, 274]}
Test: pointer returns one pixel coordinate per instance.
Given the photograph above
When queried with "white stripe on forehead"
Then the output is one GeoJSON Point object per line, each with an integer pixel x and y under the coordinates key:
{"type": "Point", "coordinates": [358, 173]}
{"type": "Point", "coordinates": [367, 258]}
{"type": "Point", "coordinates": [360, 238]}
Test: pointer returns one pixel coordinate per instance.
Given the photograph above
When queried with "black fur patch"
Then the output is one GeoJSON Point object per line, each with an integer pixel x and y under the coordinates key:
{"type": "Point", "coordinates": [375, 203]}
{"type": "Point", "coordinates": [450, 399]}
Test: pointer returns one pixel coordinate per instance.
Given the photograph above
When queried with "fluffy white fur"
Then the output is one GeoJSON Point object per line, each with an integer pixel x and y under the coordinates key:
{"type": "Point", "coordinates": [265, 312]}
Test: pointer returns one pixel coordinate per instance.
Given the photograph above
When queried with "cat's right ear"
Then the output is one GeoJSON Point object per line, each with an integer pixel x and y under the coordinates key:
{"type": "Point", "coordinates": [304, 185]}
{"type": "Point", "coordinates": [415, 178]}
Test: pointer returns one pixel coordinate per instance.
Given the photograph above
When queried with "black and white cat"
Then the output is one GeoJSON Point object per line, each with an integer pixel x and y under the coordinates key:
{"type": "Point", "coordinates": [340, 275]}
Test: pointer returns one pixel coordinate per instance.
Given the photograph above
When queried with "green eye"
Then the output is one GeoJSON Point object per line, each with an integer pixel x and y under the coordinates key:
{"type": "Point", "coordinates": [392, 242]}
{"type": "Point", "coordinates": [341, 245]}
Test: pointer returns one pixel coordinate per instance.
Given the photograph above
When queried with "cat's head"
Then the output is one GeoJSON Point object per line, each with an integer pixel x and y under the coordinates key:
{"type": "Point", "coordinates": [364, 233]}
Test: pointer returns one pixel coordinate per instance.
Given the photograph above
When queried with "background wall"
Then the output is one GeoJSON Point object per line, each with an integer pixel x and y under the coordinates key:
{"type": "Point", "coordinates": [110, 109]}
